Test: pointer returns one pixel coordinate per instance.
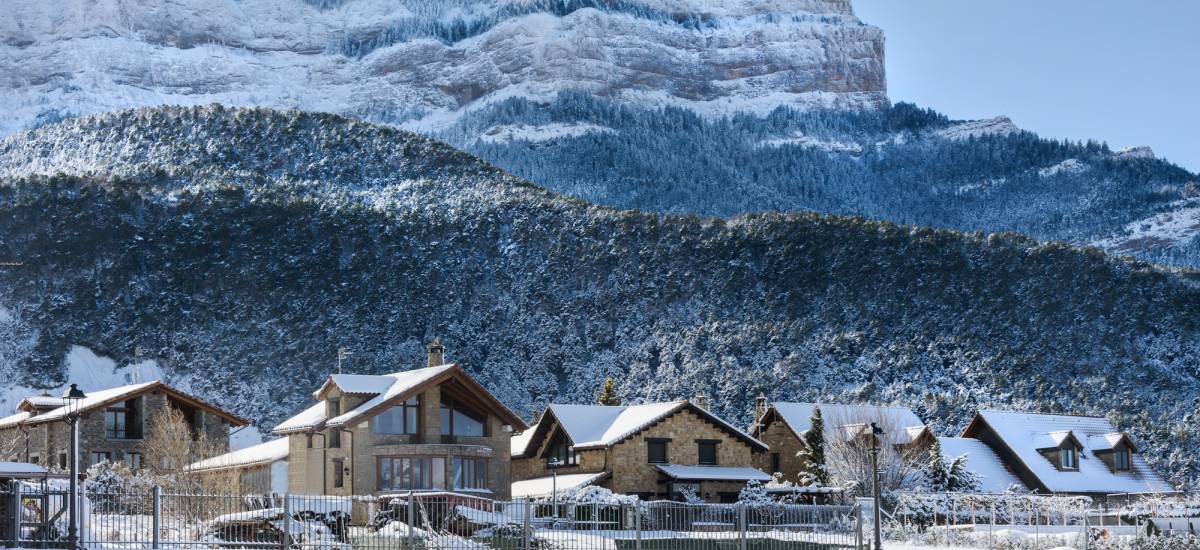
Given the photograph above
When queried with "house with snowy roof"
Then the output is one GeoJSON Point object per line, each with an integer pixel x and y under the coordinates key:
{"type": "Point", "coordinates": [258, 469]}
{"type": "Point", "coordinates": [112, 425]}
{"type": "Point", "coordinates": [652, 450]}
{"type": "Point", "coordinates": [993, 474]}
{"type": "Point", "coordinates": [782, 425]}
{"type": "Point", "coordinates": [428, 429]}
{"type": "Point", "coordinates": [1063, 454]}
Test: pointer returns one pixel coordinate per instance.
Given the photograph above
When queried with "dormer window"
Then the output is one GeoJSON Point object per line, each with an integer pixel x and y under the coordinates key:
{"type": "Point", "coordinates": [1122, 461]}
{"type": "Point", "coordinates": [1068, 458]}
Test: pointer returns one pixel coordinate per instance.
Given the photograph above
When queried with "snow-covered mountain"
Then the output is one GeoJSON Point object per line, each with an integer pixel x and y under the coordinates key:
{"type": "Point", "coordinates": [424, 61]}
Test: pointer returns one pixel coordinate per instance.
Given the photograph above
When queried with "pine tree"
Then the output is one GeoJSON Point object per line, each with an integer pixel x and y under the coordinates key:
{"type": "Point", "coordinates": [960, 478]}
{"type": "Point", "coordinates": [608, 395]}
{"type": "Point", "coordinates": [754, 493]}
{"type": "Point", "coordinates": [814, 470]}
{"type": "Point", "coordinates": [938, 475]}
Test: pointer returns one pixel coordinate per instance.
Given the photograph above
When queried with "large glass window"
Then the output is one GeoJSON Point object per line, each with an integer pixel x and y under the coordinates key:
{"type": "Point", "coordinates": [1121, 460]}
{"type": "Point", "coordinates": [412, 472]}
{"type": "Point", "coordinates": [403, 419]}
{"type": "Point", "coordinates": [459, 420]}
{"type": "Point", "coordinates": [121, 421]}
{"type": "Point", "coordinates": [560, 451]}
{"type": "Point", "coordinates": [470, 473]}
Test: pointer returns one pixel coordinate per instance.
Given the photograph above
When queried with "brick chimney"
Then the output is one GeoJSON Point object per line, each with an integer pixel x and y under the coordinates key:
{"type": "Point", "coordinates": [760, 407]}
{"type": "Point", "coordinates": [437, 354]}
{"type": "Point", "coordinates": [700, 400]}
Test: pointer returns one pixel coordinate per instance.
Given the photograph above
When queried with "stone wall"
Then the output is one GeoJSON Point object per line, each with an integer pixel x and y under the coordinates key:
{"type": "Point", "coordinates": [784, 443]}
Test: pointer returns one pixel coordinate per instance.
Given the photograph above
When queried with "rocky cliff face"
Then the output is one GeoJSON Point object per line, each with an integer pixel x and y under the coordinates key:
{"type": "Point", "coordinates": [419, 61]}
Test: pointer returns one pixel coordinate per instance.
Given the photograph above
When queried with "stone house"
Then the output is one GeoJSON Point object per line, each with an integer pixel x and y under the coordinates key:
{"type": "Point", "coordinates": [782, 426]}
{"type": "Point", "coordinates": [258, 469]}
{"type": "Point", "coordinates": [654, 451]}
{"type": "Point", "coordinates": [429, 429]}
{"type": "Point", "coordinates": [1064, 454]}
{"type": "Point", "coordinates": [112, 426]}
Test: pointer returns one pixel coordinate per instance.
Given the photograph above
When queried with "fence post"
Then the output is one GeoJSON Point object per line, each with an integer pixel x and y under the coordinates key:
{"type": "Point", "coordinates": [858, 535]}
{"type": "Point", "coordinates": [992, 527]}
{"type": "Point", "coordinates": [741, 519]}
{"type": "Point", "coordinates": [287, 522]}
{"type": "Point", "coordinates": [637, 524]}
{"type": "Point", "coordinates": [18, 513]}
{"type": "Point", "coordinates": [156, 534]}
{"type": "Point", "coordinates": [412, 520]}
{"type": "Point", "coordinates": [526, 543]}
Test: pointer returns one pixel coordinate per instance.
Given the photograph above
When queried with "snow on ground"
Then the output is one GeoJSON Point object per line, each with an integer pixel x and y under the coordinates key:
{"type": "Point", "coordinates": [1172, 228]}
{"type": "Point", "coordinates": [809, 142]}
{"type": "Point", "coordinates": [1069, 166]}
{"type": "Point", "coordinates": [999, 126]}
{"type": "Point", "coordinates": [556, 130]}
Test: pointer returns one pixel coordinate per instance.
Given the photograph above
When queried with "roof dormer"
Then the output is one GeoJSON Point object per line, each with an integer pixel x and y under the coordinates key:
{"type": "Point", "coordinates": [1061, 448]}
{"type": "Point", "coordinates": [1115, 449]}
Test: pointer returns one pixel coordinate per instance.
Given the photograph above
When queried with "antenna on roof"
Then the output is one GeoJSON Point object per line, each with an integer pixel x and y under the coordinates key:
{"type": "Point", "coordinates": [342, 354]}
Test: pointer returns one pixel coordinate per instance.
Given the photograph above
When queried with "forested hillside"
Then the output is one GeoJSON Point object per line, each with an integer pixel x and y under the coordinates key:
{"type": "Point", "coordinates": [899, 163]}
{"type": "Point", "coordinates": [241, 248]}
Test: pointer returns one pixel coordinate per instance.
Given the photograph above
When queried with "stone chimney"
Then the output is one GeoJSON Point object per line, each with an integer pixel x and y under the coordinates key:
{"type": "Point", "coordinates": [437, 354]}
{"type": "Point", "coordinates": [760, 407]}
{"type": "Point", "coordinates": [700, 400]}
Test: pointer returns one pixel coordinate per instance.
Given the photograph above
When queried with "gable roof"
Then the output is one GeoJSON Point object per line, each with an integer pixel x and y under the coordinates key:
{"type": "Point", "coordinates": [263, 453]}
{"type": "Point", "coordinates": [387, 390]}
{"type": "Point", "coordinates": [994, 477]}
{"type": "Point", "coordinates": [1024, 434]}
{"type": "Point", "coordinates": [598, 426]}
{"type": "Point", "coordinates": [102, 398]}
{"type": "Point", "coordinates": [904, 426]}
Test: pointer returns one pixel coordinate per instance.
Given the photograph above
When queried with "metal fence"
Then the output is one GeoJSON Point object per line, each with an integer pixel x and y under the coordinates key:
{"type": "Point", "coordinates": [993, 520]}
{"type": "Point", "coordinates": [155, 518]}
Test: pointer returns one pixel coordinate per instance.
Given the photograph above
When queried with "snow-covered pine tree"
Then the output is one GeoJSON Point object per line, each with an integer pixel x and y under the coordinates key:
{"type": "Point", "coordinates": [936, 471]}
{"type": "Point", "coordinates": [608, 394]}
{"type": "Point", "coordinates": [815, 471]}
{"type": "Point", "coordinates": [754, 493]}
{"type": "Point", "coordinates": [959, 478]}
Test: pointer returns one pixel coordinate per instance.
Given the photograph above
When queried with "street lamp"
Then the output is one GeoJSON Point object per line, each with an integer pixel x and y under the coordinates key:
{"type": "Point", "coordinates": [72, 401]}
{"type": "Point", "coordinates": [876, 432]}
{"type": "Point", "coordinates": [554, 464]}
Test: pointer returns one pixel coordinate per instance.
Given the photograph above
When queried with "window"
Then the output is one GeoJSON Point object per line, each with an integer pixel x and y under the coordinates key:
{"type": "Point", "coordinates": [775, 463]}
{"type": "Point", "coordinates": [62, 460]}
{"type": "Point", "coordinates": [133, 460]}
{"type": "Point", "coordinates": [707, 452]}
{"type": "Point", "coordinates": [123, 421]}
{"type": "Point", "coordinates": [335, 434]}
{"type": "Point", "coordinates": [460, 421]}
{"type": "Point", "coordinates": [412, 472]}
{"type": "Point", "coordinates": [1068, 459]}
{"type": "Point", "coordinates": [1121, 460]}
{"type": "Point", "coordinates": [96, 457]}
{"type": "Point", "coordinates": [339, 473]}
{"type": "Point", "coordinates": [561, 451]}
{"type": "Point", "coordinates": [656, 451]}
{"type": "Point", "coordinates": [403, 419]}
{"type": "Point", "coordinates": [470, 473]}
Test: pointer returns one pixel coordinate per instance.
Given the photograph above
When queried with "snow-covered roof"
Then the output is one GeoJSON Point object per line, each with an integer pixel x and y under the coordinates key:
{"type": "Point", "coordinates": [519, 442]}
{"type": "Point", "coordinates": [357, 384]}
{"type": "Point", "coordinates": [1055, 439]}
{"type": "Point", "coordinates": [901, 424]}
{"type": "Point", "coordinates": [1106, 442]}
{"type": "Point", "coordinates": [590, 426]}
{"type": "Point", "coordinates": [544, 486]}
{"type": "Point", "coordinates": [994, 477]}
{"type": "Point", "coordinates": [102, 398]}
{"type": "Point", "coordinates": [306, 419]}
{"type": "Point", "coordinates": [263, 453]}
{"type": "Point", "coordinates": [712, 473]}
{"type": "Point", "coordinates": [1025, 433]}
{"type": "Point", "coordinates": [401, 383]}
{"type": "Point", "coordinates": [386, 388]}
{"type": "Point", "coordinates": [10, 469]}
{"type": "Point", "coordinates": [13, 420]}
{"type": "Point", "coordinates": [41, 401]}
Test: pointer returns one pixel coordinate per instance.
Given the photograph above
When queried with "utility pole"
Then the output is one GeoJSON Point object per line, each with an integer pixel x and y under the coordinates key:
{"type": "Point", "coordinates": [876, 432]}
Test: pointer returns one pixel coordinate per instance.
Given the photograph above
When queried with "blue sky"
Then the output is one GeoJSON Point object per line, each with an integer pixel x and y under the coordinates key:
{"type": "Point", "coordinates": [1118, 71]}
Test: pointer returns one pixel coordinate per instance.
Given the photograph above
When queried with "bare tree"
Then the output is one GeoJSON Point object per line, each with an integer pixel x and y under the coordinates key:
{"type": "Point", "coordinates": [171, 444]}
{"type": "Point", "coordinates": [848, 443]}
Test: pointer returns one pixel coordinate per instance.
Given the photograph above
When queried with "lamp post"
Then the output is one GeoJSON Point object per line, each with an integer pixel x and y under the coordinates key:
{"type": "Point", "coordinates": [876, 432]}
{"type": "Point", "coordinates": [72, 399]}
{"type": "Point", "coordinates": [554, 464]}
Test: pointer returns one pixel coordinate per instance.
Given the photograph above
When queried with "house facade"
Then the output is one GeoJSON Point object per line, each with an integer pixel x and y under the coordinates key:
{"type": "Point", "coordinates": [1069, 455]}
{"type": "Point", "coordinates": [654, 451]}
{"type": "Point", "coordinates": [429, 429]}
{"type": "Point", "coordinates": [782, 426]}
{"type": "Point", "coordinates": [259, 469]}
{"type": "Point", "coordinates": [113, 425]}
